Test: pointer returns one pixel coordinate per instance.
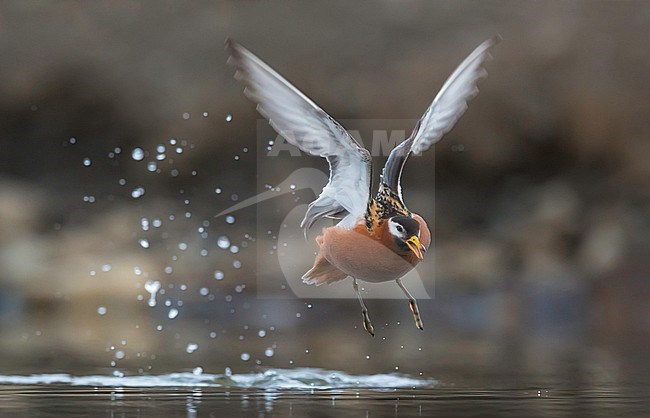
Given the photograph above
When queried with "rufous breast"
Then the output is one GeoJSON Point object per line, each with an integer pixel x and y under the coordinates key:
{"type": "Point", "coordinates": [371, 257]}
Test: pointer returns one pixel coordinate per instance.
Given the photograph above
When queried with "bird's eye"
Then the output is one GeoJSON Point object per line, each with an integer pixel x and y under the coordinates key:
{"type": "Point", "coordinates": [399, 228]}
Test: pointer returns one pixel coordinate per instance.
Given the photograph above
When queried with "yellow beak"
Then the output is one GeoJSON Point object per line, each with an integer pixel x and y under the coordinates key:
{"type": "Point", "coordinates": [416, 246]}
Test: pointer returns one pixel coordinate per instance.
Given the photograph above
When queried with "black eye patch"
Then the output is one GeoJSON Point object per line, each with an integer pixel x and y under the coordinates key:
{"type": "Point", "coordinates": [408, 224]}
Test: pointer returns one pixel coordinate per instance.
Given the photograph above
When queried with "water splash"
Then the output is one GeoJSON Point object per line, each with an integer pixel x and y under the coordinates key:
{"type": "Point", "coordinates": [272, 379]}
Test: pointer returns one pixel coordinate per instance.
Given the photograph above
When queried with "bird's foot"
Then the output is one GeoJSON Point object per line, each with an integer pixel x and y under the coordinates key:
{"type": "Point", "coordinates": [416, 314]}
{"type": "Point", "coordinates": [367, 324]}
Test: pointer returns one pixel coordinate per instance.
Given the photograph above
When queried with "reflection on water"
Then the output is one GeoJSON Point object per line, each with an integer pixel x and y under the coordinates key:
{"type": "Point", "coordinates": [209, 401]}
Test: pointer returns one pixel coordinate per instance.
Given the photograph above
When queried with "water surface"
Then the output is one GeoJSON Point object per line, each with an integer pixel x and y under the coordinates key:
{"type": "Point", "coordinates": [299, 392]}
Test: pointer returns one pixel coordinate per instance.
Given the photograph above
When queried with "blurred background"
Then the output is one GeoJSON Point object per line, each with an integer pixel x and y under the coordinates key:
{"type": "Point", "coordinates": [123, 134]}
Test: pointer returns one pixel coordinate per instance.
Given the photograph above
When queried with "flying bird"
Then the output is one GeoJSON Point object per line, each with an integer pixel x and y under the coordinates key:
{"type": "Point", "coordinates": [377, 239]}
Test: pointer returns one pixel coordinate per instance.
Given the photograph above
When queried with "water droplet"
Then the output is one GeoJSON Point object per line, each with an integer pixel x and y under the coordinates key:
{"type": "Point", "coordinates": [73, 140]}
{"type": "Point", "coordinates": [101, 310]}
{"type": "Point", "coordinates": [173, 313]}
{"type": "Point", "coordinates": [218, 275]}
{"type": "Point", "coordinates": [186, 116]}
{"type": "Point", "coordinates": [228, 118]}
{"type": "Point", "coordinates": [152, 166]}
{"type": "Point", "coordinates": [236, 264]}
{"type": "Point", "coordinates": [119, 355]}
{"type": "Point", "coordinates": [269, 352]}
{"type": "Point", "coordinates": [144, 243]}
{"type": "Point", "coordinates": [245, 356]}
{"type": "Point", "coordinates": [137, 154]}
{"type": "Point", "coordinates": [137, 192]}
{"type": "Point", "coordinates": [204, 291]}
{"type": "Point", "coordinates": [191, 347]}
{"type": "Point", "coordinates": [234, 249]}
{"type": "Point", "coordinates": [230, 219]}
{"type": "Point", "coordinates": [223, 242]}
{"type": "Point", "coordinates": [87, 162]}
{"type": "Point", "coordinates": [261, 333]}
{"type": "Point", "coordinates": [182, 246]}
{"type": "Point", "coordinates": [152, 286]}
{"type": "Point", "coordinates": [198, 371]}
{"type": "Point", "coordinates": [106, 268]}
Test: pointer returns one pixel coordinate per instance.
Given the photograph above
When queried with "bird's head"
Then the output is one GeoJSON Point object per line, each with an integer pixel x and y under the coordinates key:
{"type": "Point", "coordinates": [406, 234]}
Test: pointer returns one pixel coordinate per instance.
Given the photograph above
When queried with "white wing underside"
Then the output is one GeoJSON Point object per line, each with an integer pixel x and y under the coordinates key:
{"type": "Point", "coordinates": [303, 124]}
{"type": "Point", "coordinates": [451, 102]}
{"type": "Point", "coordinates": [443, 113]}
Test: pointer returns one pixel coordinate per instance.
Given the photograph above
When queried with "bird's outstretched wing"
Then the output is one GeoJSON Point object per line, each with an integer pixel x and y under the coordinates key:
{"type": "Point", "coordinates": [448, 106]}
{"type": "Point", "coordinates": [303, 124]}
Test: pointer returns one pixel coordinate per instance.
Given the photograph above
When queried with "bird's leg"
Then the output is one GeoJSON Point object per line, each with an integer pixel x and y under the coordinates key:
{"type": "Point", "coordinates": [413, 305]}
{"type": "Point", "coordinates": [364, 311]}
